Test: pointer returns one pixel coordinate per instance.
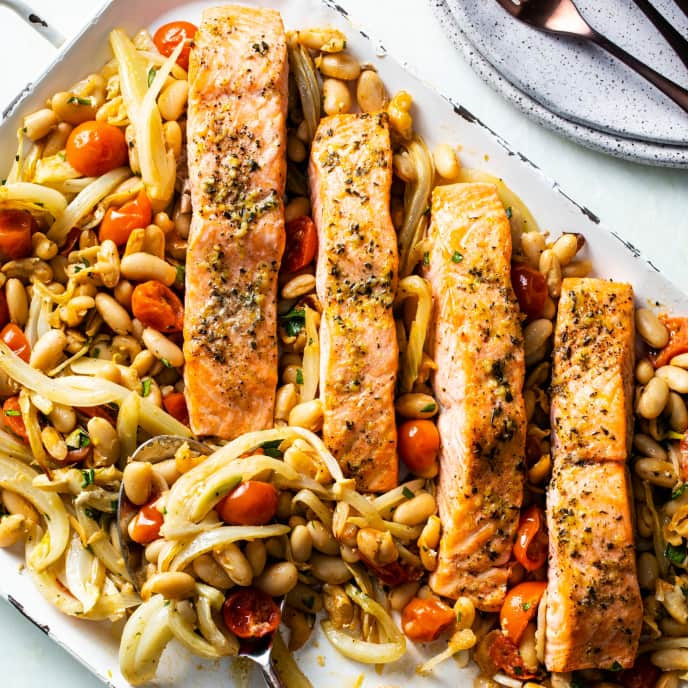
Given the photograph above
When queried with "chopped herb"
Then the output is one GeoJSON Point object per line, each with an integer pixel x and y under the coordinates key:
{"type": "Point", "coordinates": [426, 258]}
{"type": "Point", "coordinates": [407, 493]}
{"type": "Point", "coordinates": [96, 352]}
{"type": "Point", "coordinates": [508, 212]}
{"type": "Point", "coordinates": [145, 387]}
{"type": "Point", "coordinates": [299, 376]}
{"type": "Point", "coordinates": [77, 439]}
{"type": "Point", "coordinates": [616, 667]}
{"type": "Point", "coordinates": [113, 504]}
{"type": "Point", "coordinates": [62, 156]}
{"type": "Point", "coordinates": [457, 257]}
{"type": "Point", "coordinates": [165, 362]}
{"type": "Point", "coordinates": [526, 606]}
{"type": "Point", "coordinates": [309, 602]}
{"type": "Point", "coordinates": [674, 435]}
{"type": "Point", "coordinates": [684, 590]}
{"type": "Point", "coordinates": [429, 408]}
{"type": "Point", "coordinates": [76, 100]}
{"type": "Point", "coordinates": [151, 76]}
{"type": "Point", "coordinates": [12, 412]}
{"type": "Point", "coordinates": [167, 603]}
{"type": "Point", "coordinates": [518, 670]}
{"type": "Point", "coordinates": [679, 491]}
{"type": "Point", "coordinates": [181, 273]}
{"type": "Point", "coordinates": [89, 477]}
{"type": "Point", "coordinates": [92, 513]}
{"type": "Point", "coordinates": [294, 321]}
{"type": "Point", "coordinates": [271, 448]}
{"type": "Point", "coordinates": [676, 555]}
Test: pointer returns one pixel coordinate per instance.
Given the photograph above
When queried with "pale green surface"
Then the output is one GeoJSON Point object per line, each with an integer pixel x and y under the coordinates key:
{"type": "Point", "coordinates": [648, 206]}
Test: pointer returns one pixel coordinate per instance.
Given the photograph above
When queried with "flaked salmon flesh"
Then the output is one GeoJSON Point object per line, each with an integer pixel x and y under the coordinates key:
{"type": "Point", "coordinates": [356, 278]}
{"type": "Point", "coordinates": [477, 344]}
{"type": "Point", "coordinates": [236, 130]}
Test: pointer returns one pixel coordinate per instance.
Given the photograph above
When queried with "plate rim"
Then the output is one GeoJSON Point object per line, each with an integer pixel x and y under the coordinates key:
{"type": "Point", "coordinates": [642, 152]}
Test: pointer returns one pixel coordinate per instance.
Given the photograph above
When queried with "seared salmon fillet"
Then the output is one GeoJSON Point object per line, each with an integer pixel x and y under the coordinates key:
{"type": "Point", "coordinates": [594, 609]}
{"type": "Point", "coordinates": [477, 344]}
{"type": "Point", "coordinates": [237, 167]}
{"type": "Point", "coordinates": [592, 377]}
{"type": "Point", "coordinates": [356, 279]}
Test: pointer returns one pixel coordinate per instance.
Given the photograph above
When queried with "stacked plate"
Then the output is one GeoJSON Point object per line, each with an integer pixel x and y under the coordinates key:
{"type": "Point", "coordinates": [574, 87]}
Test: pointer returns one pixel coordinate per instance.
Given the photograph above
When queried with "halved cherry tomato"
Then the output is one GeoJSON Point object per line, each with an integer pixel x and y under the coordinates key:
{"type": "Point", "coordinates": [252, 503]}
{"type": "Point", "coordinates": [12, 418]}
{"type": "Point", "coordinates": [78, 455]}
{"type": "Point", "coordinates": [395, 573]}
{"type": "Point", "coordinates": [119, 223]}
{"type": "Point", "coordinates": [250, 613]}
{"type": "Point", "coordinates": [423, 620]}
{"type": "Point", "coordinates": [302, 244]}
{"type": "Point", "coordinates": [643, 674]}
{"type": "Point", "coordinates": [97, 412]}
{"type": "Point", "coordinates": [16, 228]}
{"type": "Point", "coordinates": [146, 525]}
{"type": "Point", "coordinates": [530, 548]}
{"type": "Point", "coordinates": [504, 653]}
{"type": "Point", "coordinates": [520, 606]}
{"type": "Point", "coordinates": [169, 36]}
{"type": "Point", "coordinates": [94, 148]}
{"type": "Point", "coordinates": [175, 405]}
{"type": "Point", "coordinates": [157, 306]}
{"type": "Point", "coordinates": [531, 289]}
{"type": "Point", "coordinates": [418, 443]}
{"type": "Point", "coordinates": [4, 310]}
{"type": "Point", "coordinates": [16, 340]}
{"type": "Point", "coordinates": [678, 341]}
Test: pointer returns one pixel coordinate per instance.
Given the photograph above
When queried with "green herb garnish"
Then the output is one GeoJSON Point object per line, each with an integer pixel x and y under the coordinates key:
{"type": "Point", "coordinates": [271, 448]}
{"type": "Point", "coordinates": [12, 412]}
{"type": "Point", "coordinates": [526, 606]}
{"type": "Point", "coordinates": [457, 257]}
{"type": "Point", "coordinates": [407, 493]}
{"type": "Point", "coordinates": [165, 362]}
{"type": "Point", "coordinates": [508, 212]}
{"type": "Point", "coordinates": [89, 477]}
{"type": "Point", "coordinates": [76, 100]}
{"type": "Point", "coordinates": [299, 376]}
{"type": "Point", "coordinates": [429, 408]}
{"type": "Point", "coordinates": [151, 76]}
{"type": "Point", "coordinates": [181, 273]}
{"type": "Point", "coordinates": [92, 513]}
{"type": "Point", "coordinates": [294, 321]}
{"type": "Point", "coordinates": [145, 387]}
{"type": "Point", "coordinates": [77, 439]}
{"type": "Point", "coordinates": [676, 555]}
{"type": "Point", "coordinates": [426, 258]}
{"type": "Point", "coordinates": [679, 490]}
{"type": "Point", "coordinates": [616, 667]}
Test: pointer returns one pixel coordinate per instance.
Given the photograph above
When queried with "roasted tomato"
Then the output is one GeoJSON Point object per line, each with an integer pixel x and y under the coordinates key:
{"type": "Point", "coordinates": [145, 526]}
{"type": "Point", "coordinates": [643, 674]}
{"type": "Point", "coordinates": [531, 289]}
{"type": "Point", "coordinates": [169, 36]}
{"type": "Point", "coordinates": [16, 340]}
{"type": "Point", "coordinates": [394, 574]}
{"type": "Point", "coordinates": [175, 405]}
{"type": "Point", "coordinates": [119, 223]}
{"type": "Point", "coordinates": [520, 606]}
{"type": "Point", "coordinates": [418, 443]}
{"type": "Point", "coordinates": [94, 148]}
{"type": "Point", "coordinates": [678, 341]}
{"type": "Point", "coordinates": [530, 548]}
{"type": "Point", "coordinates": [12, 418]}
{"type": "Point", "coordinates": [504, 653]}
{"type": "Point", "coordinates": [250, 613]}
{"type": "Point", "coordinates": [16, 228]}
{"type": "Point", "coordinates": [252, 503]}
{"type": "Point", "coordinates": [423, 620]}
{"type": "Point", "coordinates": [301, 244]}
{"type": "Point", "coordinates": [157, 306]}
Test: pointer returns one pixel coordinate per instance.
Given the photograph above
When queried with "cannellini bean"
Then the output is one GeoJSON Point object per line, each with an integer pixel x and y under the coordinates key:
{"type": "Point", "coordinates": [446, 162]}
{"type": "Point", "coordinates": [339, 66]}
{"type": "Point", "coordinates": [465, 612]}
{"type": "Point", "coordinates": [47, 351]}
{"type": "Point", "coordinates": [16, 504]}
{"type": "Point", "coordinates": [53, 443]}
{"type": "Point", "coordinates": [322, 538]}
{"type": "Point", "coordinates": [536, 334]}
{"type": "Point", "coordinates": [308, 414]}
{"type": "Point", "coordinates": [403, 168]}
{"type": "Point", "coordinates": [17, 301]}
{"type": "Point", "coordinates": [235, 563]}
{"type": "Point", "coordinates": [649, 447]}
{"type": "Point", "coordinates": [162, 347]}
{"type": "Point", "coordinates": [402, 594]}
{"type": "Point", "coordinates": [416, 510]}
{"type": "Point", "coordinates": [327, 40]}
{"type": "Point", "coordinates": [565, 248]}
{"type": "Point", "coordinates": [172, 133]}
{"type": "Point", "coordinates": [336, 97]}
{"type": "Point", "coordinates": [114, 315]}
{"type": "Point", "coordinates": [681, 361]}
{"type": "Point", "coordinates": [377, 546]}
{"type": "Point", "coordinates": [153, 550]}
{"type": "Point", "coordinates": [306, 599]}
{"type": "Point", "coordinates": [416, 405]}
{"type": "Point", "coordinates": [648, 570]}
{"type": "Point", "coordinates": [138, 481]}
{"type": "Point", "coordinates": [551, 269]}
{"type": "Point", "coordinates": [671, 659]}
{"type": "Point", "coordinates": [650, 328]}
{"type": "Point", "coordinates": [399, 111]}
{"type": "Point", "coordinates": [297, 207]}
{"type": "Point", "coordinates": [678, 414]}
{"type": "Point", "coordinates": [300, 627]}
{"type": "Point", "coordinates": [644, 371]}
{"type": "Point", "coordinates": [338, 606]}
{"type": "Point", "coordinates": [257, 555]}
{"type": "Point", "coordinates": [577, 268]}
{"type": "Point", "coordinates": [286, 399]}
{"type": "Point", "coordinates": [123, 291]}
{"type": "Point", "coordinates": [63, 418]}
{"type": "Point", "coordinates": [370, 92]}
{"type": "Point", "coordinates": [653, 399]}
{"type": "Point", "coordinates": [298, 286]}
{"type": "Point", "coordinates": [656, 471]}
{"type": "Point", "coordinates": [40, 123]}
{"type": "Point", "coordinates": [675, 377]}
{"type": "Point", "coordinates": [11, 529]}
{"type": "Point", "coordinates": [141, 267]}
{"type": "Point", "coordinates": [210, 572]}
{"type": "Point", "coordinates": [172, 99]}
{"type": "Point", "coordinates": [172, 585]}
{"type": "Point", "coordinates": [301, 543]}
{"type": "Point", "coordinates": [668, 679]}
{"type": "Point", "coordinates": [278, 579]}
{"type": "Point", "coordinates": [329, 569]}
{"type": "Point", "coordinates": [296, 150]}
{"type": "Point", "coordinates": [43, 248]}
{"type": "Point", "coordinates": [167, 470]}
{"type": "Point", "coordinates": [533, 244]}
{"type": "Point", "coordinates": [275, 547]}
{"type": "Point", "coordinates": [74, 109]}
{"type": "Point", "coordinates": [57, 139]}
{"type": "Point", "coordinates": [105, 441]}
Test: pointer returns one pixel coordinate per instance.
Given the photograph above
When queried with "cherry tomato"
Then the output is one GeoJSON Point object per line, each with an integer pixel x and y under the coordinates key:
{"type": "Point", "coordinates": [643, 674]}
{"type": "Point", "coordinates": [16, 340]}
{"type": "Point", "coordinates": [119, 223]}
{"type": "Point", "coordinates": [12, 418]}
{"type": "Point", "coordinates": [520, 606]}
{"type": "Point", "coordinates": [252, 503]}
{"type": "Point", "coordinates": [678, 341]}
{"type": "Point", "coordinates": [530, 548]}
{"type": "Point", "coordinates": [157, 306]}
{"type": "Point", "coordinates": [78, 455]}
{"type": "Point", "coordinates": [418, 442]}
{"type": "Point", "coordinates": [250, 613]}
{"type": "Point", "coordinates": [94, 148]}
{"type": "Point", "coordinates": [531, 289]}
{"type": "Point", "coordinates": [4, 310]}
{"type": "Point", "coordinates": [16, 227]}
{"type": "Point", "coordinates": [395, 573]}
{"type": "Point", "coordinates": [302, 244]}
{"type": "Point", "coordinates": [504, 653]}
{"type": "Point", "coordinates": [145, 526]}
{"type": "Point", "coordinates": [175, 405]}
{"type": "Point", "coordinates": [169, 36]}
{"type": "Point", "coordinates": [423, 620]}
{"type": "Point", "coordinates": [97, 412]}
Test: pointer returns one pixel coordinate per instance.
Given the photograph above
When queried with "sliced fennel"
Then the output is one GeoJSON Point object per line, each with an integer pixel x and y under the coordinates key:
{"type": "Point", "coordinates": [33, 197]}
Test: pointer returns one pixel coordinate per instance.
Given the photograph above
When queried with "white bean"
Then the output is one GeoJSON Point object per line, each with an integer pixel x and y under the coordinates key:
{"type": "Point", "coordinates": [675, 377]}
{"type": "Point", "coordinates": [416, 510]}
{"type": "Point", "coordinates": [172, 585]}
{"type": "Point", "coordinates": [671, 659]}
{"type": "Point", "coordinates": [536, 334]}
{"type": "Point", "coordinates": [650, 328]}
{"type": "Point", "coordinates": [370, 92]}
{"type": "Point", "coordinates": [329, 569]}
{"type": "Point", "coordinates": [565, 248]}
{"type": "Point", "coordinates": [17, 301]}
{"type": "Point", "coordinates": [336, 97]}
{"type": "Point", "coordinates": [114, 315]}
{"type": "Point", "coordinates": [653, 399]}
{"type": "Point", "coordinates": [40, 123]}
{"type": "Point", "coordinates": [141, 267]}
{"type": "Point", "coordinates": [172, 100]}
{"type": "Point", "coordinates": [278, 579]}
{"type": "Point", "coordinates": [163, 348]}
{"type": "Point", "coordinates": [47, 351]}
{"type": "Point", "coordinates": [339, 66]}
{"type": "Point", "coordinates": [446, 162]}
{"type": "Point", "coordinates": [138, 481]}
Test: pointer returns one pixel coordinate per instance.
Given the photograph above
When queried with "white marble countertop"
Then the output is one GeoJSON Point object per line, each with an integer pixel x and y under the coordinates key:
{"type": "Point", "coordinates": [647, 206]}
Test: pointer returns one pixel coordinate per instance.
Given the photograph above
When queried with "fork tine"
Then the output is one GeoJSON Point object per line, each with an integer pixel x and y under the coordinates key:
{"type": "Point", "coordinates": [671, 35]}
{"type": "Point", "coordinates": [512, 8]}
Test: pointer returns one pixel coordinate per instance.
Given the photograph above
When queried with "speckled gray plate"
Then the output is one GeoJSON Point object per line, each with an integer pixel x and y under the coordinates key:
{"type": "Point", "coordinates": [577, 89]}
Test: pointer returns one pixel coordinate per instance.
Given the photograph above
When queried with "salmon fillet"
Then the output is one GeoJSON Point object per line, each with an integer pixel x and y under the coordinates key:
{"type": "Point", "coordinates": [592, 378]}
{"type": "Point", "coordinates": [237, 167]}
{"type": "Point", "coordinates": [350, 176]}
{"type": "Point", "coordinates": [477, 344]}
{"type": "Point", "coordinates": [594, 609]}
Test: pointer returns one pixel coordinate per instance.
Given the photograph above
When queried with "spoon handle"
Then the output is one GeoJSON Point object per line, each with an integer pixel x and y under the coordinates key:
{"type": "Point", "coordinates": [670, 89]}
{"type": "Point", "coordinates": [272, 678]}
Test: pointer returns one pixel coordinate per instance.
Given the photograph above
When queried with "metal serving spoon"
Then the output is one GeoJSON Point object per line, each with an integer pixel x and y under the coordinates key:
{"type": "Point", "coordinates": [158, 449]}
{"type": "Point", "coordinates": [563, 18]}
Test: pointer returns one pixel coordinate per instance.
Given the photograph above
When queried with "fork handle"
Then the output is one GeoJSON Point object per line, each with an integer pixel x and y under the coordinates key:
{"type": "Point", "coordinates": [272, 678]}
{"type": "Point", "coordinates": [671, 35]}
{"type": "Point", "coordinates": [670, 89]}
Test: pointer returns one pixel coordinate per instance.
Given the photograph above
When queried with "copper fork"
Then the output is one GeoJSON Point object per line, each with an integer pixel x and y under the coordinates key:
{"type": "Point", "coordinates": [563, 18]}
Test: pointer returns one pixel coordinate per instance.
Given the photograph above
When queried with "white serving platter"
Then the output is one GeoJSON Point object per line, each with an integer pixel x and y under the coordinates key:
{"type": "Point", "coordinates": [439, 121]}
